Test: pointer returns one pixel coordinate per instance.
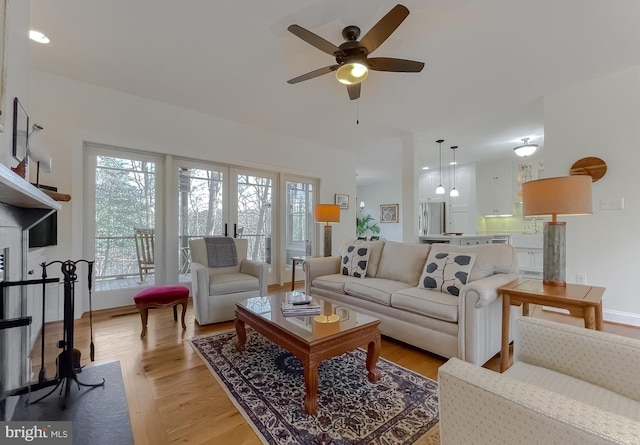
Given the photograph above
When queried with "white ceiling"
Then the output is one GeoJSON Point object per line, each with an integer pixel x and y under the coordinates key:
{"type": "Point", "coordinates": [488, 65]}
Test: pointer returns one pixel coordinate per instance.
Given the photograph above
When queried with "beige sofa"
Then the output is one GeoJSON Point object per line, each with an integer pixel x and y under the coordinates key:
{"type": "Point", "coordinates": [467, 326]}
{"type": "Point", "coordinates": [568, 385]}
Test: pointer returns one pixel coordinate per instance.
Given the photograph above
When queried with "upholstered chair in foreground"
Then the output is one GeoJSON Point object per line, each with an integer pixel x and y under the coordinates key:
{"type": "Point", "coordinates": [216, 289]}
{"type": "Point", "coordinates": [568, 385]}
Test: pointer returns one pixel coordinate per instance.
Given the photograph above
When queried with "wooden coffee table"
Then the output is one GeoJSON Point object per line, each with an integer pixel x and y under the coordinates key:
{"type": "Point", "coordinates": [312, 339]}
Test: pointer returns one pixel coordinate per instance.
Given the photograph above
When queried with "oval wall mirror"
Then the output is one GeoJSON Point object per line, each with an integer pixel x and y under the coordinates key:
{"type": "Point", "coordinates": [592, 166]}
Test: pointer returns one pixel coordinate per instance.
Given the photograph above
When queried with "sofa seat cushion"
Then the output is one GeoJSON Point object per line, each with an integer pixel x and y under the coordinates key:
{"type": "Point", "coordinates": [576, 389]}
{"type": "Point", "coordinates": [230, 283]}
{"type": "Point", "coordinates": [377, 290]}
{"type": "Point", "coordinates": [333, 282]}
{"type": "Point", "coordinates": [427, 302]}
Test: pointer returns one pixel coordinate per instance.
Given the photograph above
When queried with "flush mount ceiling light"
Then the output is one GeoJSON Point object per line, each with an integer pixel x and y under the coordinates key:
{"type": "Point", "coordinates": [352, 73]}
{"type": "Point", "coordinates": [37, 36]}
{"type": "Point", "coordinates": [526, 149]}
{"type": "Point", "coordinates": [454, 191]}
{"type": "Point", "coordinates": [440, 188]}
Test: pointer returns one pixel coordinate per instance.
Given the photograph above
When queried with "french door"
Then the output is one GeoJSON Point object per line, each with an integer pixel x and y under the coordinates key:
{"type": "Point", "coordinates": [121, 195]}
{"type": "Point", "coordinates": [181, 200]}
{"type": "Point", "coordinates": [219, 200]}
{"type": "Point", "coordinates": [299, 227]}
{"type": "Point", "coordinates": [252, 216]}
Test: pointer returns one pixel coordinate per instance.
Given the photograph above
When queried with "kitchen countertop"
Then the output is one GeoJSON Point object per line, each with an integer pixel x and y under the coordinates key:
{"type": "Point", "coordinates": [447, 237]}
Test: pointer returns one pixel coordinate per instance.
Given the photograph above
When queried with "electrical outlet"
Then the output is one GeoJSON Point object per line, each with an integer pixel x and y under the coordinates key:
{"type": "Point", "coordinates": [581, 278]}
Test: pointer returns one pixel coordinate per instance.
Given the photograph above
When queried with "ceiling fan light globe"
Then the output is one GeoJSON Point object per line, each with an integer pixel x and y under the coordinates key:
{"type": "Point", "coordinates": [352, 73]}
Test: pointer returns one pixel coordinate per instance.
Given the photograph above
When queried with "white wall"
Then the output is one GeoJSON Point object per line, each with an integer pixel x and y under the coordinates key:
{"type": "Point", "coordinates": [373, 196]}
{"type": "Point", "coordinates": [602, 118]}
{"type": "Point", "coordinates": [17, 69]}
{"type": "Point", "coordinates": [73, 112]}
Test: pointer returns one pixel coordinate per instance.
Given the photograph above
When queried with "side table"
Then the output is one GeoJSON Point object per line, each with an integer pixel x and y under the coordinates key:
{"type": "Point", "coordinates": [580, 300]}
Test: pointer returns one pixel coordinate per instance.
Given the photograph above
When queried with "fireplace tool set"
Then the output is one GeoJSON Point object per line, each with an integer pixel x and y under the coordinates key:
{"type": "Point", "coordinates": [68, 361]}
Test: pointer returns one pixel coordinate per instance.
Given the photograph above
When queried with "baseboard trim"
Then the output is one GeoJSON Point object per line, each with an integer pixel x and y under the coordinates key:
{"type": "Point", "coordinates": [620, 317]}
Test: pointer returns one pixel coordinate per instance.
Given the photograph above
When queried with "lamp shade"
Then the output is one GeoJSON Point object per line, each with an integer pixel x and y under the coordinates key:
{"type": "Point", "coordinates": [327, 213]}
{"type": "Point", "coordinates": [567, 195]}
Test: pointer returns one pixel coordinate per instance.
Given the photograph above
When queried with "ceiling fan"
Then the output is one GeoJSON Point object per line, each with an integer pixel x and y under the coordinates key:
{"type": "Point", "coordinates": [352, 61]}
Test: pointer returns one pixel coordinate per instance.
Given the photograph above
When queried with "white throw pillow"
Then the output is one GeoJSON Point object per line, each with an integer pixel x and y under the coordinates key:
{"type": "Point", "coordinates": [355, 261]}
{"type": "Point", "coordinates": [447, 271]}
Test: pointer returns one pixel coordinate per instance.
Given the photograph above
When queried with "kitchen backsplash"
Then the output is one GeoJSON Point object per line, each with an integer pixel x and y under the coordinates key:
{"type": "Point", "coordinates": [509, 224]}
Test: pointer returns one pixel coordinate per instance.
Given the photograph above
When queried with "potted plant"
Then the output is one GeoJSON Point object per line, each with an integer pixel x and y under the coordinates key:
{"type": "Point", "coordinates": [366, 224]}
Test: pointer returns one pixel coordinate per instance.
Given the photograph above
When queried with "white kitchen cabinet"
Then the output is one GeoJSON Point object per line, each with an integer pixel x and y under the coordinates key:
{"type": "Point", "coordinates": [530, 262]}
{"type": "Point", "coordinates": [495, 189]}
{"type": "Point", "coordinates": [529, 251]}
{"type": "Point", "coordinates": [457, 240]}
{"type": "Point", "coordinates": [427, 184]}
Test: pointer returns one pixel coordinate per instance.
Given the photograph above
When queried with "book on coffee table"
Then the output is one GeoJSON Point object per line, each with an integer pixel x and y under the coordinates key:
{"type": "Point", "coordinates": [297, 310]}
{"type": "Point", "coordinates": [297, 297]}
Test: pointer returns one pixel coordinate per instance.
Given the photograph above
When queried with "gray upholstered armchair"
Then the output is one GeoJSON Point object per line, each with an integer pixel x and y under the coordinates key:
{"type": "Point", "coordinates": [216, 289]}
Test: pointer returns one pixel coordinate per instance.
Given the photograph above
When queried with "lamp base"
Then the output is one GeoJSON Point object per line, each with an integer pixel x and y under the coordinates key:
{"type": "Point", "coordinates": [554, 271]}
{"type": "Point", "coordinates": [327, 240]}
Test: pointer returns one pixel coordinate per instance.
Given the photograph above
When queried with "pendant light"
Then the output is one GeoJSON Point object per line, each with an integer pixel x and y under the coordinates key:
{"type": "Point", "coordinates": [454, 191]}
{"type": "Point", "coordinates": [440, 188]}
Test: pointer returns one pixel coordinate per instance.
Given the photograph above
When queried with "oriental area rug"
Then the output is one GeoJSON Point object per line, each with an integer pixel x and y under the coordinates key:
{"type": "Point", "coordinates": [266, 384]}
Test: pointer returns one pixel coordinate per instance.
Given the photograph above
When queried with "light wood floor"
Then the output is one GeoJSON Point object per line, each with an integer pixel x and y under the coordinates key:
{"type": "Point", "coordinates": [172, 396]}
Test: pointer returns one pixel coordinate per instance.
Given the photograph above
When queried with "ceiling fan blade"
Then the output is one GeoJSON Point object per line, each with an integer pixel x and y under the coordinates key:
{"type": "Point", "coordinates": [313, 39]}
{"type": "Point", "coordinates": [384, 28]}
{"type": "Point", "coordinates": [314, 73]}
{"type": "Point", "coordinates": [354, 91]}
{"type": "Point", "coordinates": [396, 65]}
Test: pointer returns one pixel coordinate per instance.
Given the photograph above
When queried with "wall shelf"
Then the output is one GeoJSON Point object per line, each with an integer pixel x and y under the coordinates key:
{"type": "Point", "coordinates": [18, 192]}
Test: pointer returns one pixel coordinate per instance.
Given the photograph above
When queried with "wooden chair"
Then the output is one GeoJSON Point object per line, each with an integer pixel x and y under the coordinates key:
{"type": "Point", "coordinates": [145, 250]}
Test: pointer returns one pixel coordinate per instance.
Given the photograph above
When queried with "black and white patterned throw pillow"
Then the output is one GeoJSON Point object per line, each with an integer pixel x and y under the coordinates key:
{"type": "Point", "coordinates": [447, 271]}
{"type": "Point", "coordinates": [355, 261]}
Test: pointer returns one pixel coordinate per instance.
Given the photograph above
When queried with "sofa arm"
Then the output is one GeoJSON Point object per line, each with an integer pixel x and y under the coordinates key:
{"type": "Point", "coordinates": [317, 267]}
{"type": "Point", "coordinates": [200, 290]}
{"type": "Point", "coordinates": [480, 406]}
{"type": "Point", "coordinates": [259, 270]}
{"type": "Point", "coordinates": [606, 360]}
{"type": "Point", "coordinates": [485, 290]}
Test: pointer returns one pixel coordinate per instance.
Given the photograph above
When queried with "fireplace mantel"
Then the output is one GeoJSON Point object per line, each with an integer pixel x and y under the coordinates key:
{"type": "Point", "coordinates": [18, 192]}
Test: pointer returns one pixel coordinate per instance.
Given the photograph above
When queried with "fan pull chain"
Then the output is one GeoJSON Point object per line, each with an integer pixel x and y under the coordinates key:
{"type": "Point", "coordinates": [357, 113]}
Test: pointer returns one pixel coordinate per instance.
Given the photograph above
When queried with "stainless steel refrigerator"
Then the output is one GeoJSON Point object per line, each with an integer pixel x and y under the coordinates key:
{"type": "Point", "coordinates": [431, 218]}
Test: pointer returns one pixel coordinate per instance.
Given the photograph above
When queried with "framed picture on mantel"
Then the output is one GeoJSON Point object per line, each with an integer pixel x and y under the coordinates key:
{"type": "Point", "coordinates": [20, 131]}
{"type": "Point", "coordinates": [389, 213]}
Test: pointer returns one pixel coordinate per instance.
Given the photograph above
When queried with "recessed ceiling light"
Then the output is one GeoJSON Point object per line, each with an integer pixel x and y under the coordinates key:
{"type": "Point", "coordinates": [425, 168]}
{"type": "Point", "coordinates": [37, 36]}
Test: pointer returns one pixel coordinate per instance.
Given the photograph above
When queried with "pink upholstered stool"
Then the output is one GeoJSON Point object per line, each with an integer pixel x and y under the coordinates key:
{"type": "Point", "coordinates": [161, 296]}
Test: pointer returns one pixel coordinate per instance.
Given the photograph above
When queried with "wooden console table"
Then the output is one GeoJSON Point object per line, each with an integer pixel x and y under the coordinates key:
{"type": "Point", "coordinates": [580, 300]}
